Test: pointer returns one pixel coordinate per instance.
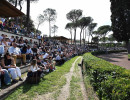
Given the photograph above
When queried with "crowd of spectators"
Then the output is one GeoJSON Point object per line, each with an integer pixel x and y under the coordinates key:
{"type": "Point", "coordinates": [41, 55]}
{"type": "Point", "coordinates": [16, 28]}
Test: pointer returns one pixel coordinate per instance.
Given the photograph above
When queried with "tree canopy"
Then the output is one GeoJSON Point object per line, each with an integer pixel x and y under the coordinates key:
{"type": "Point", "coordinates": [121, 19]}
{"type": "Point", "coordinates": [74, 16]}
{"type": "Point", "coordinates": [50, 15]}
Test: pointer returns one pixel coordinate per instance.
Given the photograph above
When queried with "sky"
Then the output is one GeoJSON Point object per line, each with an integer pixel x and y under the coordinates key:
{"type": "Point", "coordinates": [99, 10]}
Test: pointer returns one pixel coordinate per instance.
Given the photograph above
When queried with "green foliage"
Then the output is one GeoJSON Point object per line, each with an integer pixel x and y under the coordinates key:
{"type": "Point", "coordinates": [103, 31]}
{"type": "Point", "coordinates": [129, 56]}
{"type": "Point", "coordinates": [89, 88]}
{"type": "Point", "coordinates": [104, 52]}
{"type": "Point", "coordinates": [120, 19]}
{"type": "Point", "coordinates": [74, 15]}
{"type": "Point", "coordinates": [111, 82]}
{"type": "Point", "coordinates": [84, 22]}
{"type": "Point", "coordinates": [50, 15]}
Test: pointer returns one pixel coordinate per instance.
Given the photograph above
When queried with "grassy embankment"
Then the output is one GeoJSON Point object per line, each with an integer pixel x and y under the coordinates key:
{"type": "Point", "coordinates": [49, 83]}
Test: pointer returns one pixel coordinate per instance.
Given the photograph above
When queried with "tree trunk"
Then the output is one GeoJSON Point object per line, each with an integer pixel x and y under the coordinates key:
{"type": "Point", "coordinates": [54, 31]}
{"type": "Point", "coordinates": [88, 37]}
{"type": "Point", "coordinates": [80, 36]}
{"type": "Point", "coordinates": [71, 36]}
{"type": "Point", "coordinates": [28, 14]}
{"type": "Point", "coordinates": [49, 28]}
{"type": "Point", "coordinates": [16, 2]}
{"type": "Point", "coordinates": [20, 4]}
{"type": "Point", "coordinates": [92, 38]}
{"type": "Point", "coordinates": [16, 20]}
{"type": "Point", "coordinates": [54, 34]}
{"type": "Point", "coordinates": [85, 33]}
{"type": "Point", "coordinates": [75, 37]}
{"type": "Point", "coordinates": [128, 46]}
{"type": "Point", "coordinates": [38, 26]}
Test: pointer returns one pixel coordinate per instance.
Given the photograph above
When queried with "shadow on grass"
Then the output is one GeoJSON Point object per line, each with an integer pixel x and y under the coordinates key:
{"type": "Point", "coordinates": [27, 86]}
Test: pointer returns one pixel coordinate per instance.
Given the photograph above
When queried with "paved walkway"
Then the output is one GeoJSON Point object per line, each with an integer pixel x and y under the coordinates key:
{"type": "Point", "coordinates": [120, 59]}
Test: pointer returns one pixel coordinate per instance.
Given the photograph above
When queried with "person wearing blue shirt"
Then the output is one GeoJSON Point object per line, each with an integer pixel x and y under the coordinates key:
{"type": "Point", "coordinates": [1, 49]}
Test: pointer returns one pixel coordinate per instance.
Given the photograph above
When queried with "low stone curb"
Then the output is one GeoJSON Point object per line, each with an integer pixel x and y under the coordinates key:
{"type": "Point", "coordinates": [5, 92]}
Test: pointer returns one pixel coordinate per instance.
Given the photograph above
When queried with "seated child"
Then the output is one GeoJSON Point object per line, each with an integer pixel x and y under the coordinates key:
{"type": "Point", "coordinates": [34, 69]}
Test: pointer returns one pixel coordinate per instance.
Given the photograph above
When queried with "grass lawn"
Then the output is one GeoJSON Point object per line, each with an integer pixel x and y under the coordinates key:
{"type": "Point", "coordinates": [89, 88]}
{"type": "Point", "coordinates": [49, 83]}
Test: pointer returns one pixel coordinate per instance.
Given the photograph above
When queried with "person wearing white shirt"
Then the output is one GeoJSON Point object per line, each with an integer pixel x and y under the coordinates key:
{"type": "Point", "coordinates": [34, 69]}
{"type": "Point", "coordinates": [45, 55]}
{"type": "Point", "coordinates": [58, 57]}
{"type": "Point", "coordinates": [4, 42]}
{"type": "Point", "coordinates": [12, 38]}
{"type": "Point", "coordinates": [46, 67]}
{"type": "Point", "coordinates": [16, 53]}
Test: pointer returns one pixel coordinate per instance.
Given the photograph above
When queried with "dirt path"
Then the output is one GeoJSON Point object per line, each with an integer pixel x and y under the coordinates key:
{"type": "Point", "coordinates": [120, 59]}
{"type": "Point", "coordinates": [65, 91]}
{"type": "Point", "coordinates": [83, 89]}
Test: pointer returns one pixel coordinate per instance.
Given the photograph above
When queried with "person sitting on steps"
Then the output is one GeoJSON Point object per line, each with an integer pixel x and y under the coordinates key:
{"type": "Point", "coordinates": [8, 63]}
{"type": "Point", "coordinates": [34, 69]}
{"type": "Point", "coordinates": [7, 79]}
{"type": "Point", "coordinates": [16, 53]}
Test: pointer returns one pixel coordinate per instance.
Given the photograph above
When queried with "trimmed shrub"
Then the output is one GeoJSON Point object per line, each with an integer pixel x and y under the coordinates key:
{"type": "Point", "coordinates": [128, 56]}
{"type": "Point", "coordinates": [106, 52]}
{"type": "Point", "coordinates": [110, 81]}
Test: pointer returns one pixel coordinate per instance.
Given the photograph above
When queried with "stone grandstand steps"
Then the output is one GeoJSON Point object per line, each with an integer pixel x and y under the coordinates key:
{"type": "Point", "coordinates": [11, 34]}
{"type": "Point", "coordinates": [8, 90]}
{"type": "Point", "coordinates": [24, 69]}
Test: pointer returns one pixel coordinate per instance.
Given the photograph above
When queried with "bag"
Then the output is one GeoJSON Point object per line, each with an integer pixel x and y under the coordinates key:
{"type": "Point", "coordinates": [34, 79]}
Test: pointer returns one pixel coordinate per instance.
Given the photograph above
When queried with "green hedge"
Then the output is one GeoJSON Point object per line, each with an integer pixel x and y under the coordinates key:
{"type": "Point", "coordinates": [111, 82]}
{"type": "Point", "coordinates": [104, 52]}
{"type": "Point", "coordinates": [129, 56]}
